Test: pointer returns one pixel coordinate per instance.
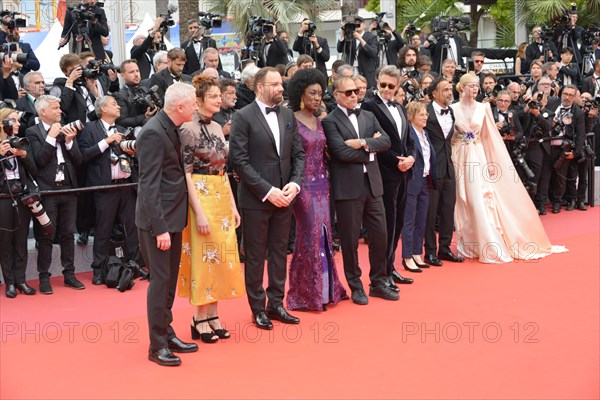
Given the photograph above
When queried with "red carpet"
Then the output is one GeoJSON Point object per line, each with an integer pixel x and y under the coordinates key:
{"type": "Point", "coordinates": [468, 331]}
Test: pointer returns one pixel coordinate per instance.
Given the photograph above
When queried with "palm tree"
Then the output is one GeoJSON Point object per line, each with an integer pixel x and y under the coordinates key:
{"type": "Point", "coordinates": [188, 9]}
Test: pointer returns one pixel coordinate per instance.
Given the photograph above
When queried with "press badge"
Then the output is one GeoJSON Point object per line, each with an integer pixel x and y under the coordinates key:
{"type": "Point", "coordinates": [124, 165]}
{"type": "Point", "coordinates": [60, 174]}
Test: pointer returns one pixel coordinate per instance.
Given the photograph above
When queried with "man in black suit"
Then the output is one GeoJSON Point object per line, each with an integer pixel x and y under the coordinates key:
{"type": "Point", "coordinates": [535, 50]}
{"type": "Point", "coordinates": [176, 59]}
{"type": "Point", "coordinates": [95, 28]}
{"type": "Point", "coordinates": [143, 49]}
{"type": "Point", "coordinates": [439, 53]}
{"type": "Point", "coordinates": [360, 50]}
{"type": "Point", "coordinates": [267, 154]}
{"type": "Point", "coordinates": [56, 156]}
{"type": "Point", "coordinates": [568, 72]}
{"type": "Point", "coordinates": [272, 51]}
{"type": "Point", "coordinates": [107, 164]}
{"type": "Point", "coordinates": [131, 114]}
{"type": "Point", "coordinates": [591, 84]}
{"type": "Point", "coordinates": [76, 100]}
{"type": "Point", "coordinates": [211, 60]}
{"type": "Point", "coordinates": [313, 45]}
{"type": "Point", "coordinates": [354, 137]}
{"type": "Point", "coordinates": [34, 85]}
{"type": "Point", "coordinates": [573, 130]}
{"type": "Point", "coordinates": [442, 197]}
{"type": "Point", "coordinates": [194, 47]}
{"type": "Point", "coordinates": [394, 163]}
{"type": "Point", "coordinates": [8, 89]}
{"type": "Point", "coordinates": [161, 215]}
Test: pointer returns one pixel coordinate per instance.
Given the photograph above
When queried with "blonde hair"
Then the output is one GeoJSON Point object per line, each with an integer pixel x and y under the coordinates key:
{"type": "Point", "coordinates": [465, 79]}
{"type": "Point", "coordinates": [4, 113]}
{"type": "Point", "coordinates": [413, 108]}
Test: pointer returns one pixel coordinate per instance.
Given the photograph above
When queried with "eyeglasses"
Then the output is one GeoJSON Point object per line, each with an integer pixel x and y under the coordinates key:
{"type": "Point", "coordinates": [349, 92]}
{"type": "Point", "coordinates": [385, 85]}
{"type": "Point", "coordinates": [478, 61]}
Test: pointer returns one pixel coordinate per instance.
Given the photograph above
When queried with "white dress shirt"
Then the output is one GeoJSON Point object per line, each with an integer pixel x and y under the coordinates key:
{"type": "Point", "coordinates": [445, 120]}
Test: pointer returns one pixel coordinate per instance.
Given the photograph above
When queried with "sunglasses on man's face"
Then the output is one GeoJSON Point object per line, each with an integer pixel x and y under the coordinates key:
{"type": "Point", "coordinates": [385, 85]}
{"type": "Point", "coordinates": [349, 92]}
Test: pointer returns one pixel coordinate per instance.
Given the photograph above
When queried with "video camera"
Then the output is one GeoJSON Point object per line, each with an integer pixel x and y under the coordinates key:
{"type": "Point", "coordinates": [85, 12]}
{"type": "Point", "coordinates": [258, 27]}
{"type": "Point", "coordinates": [382, 25]}
{"type": "Point", "coordinates": [412, 30]}
{"type": "Point", "coordinates": [12, 22]}
{"type": "Point", "coordinates": [210, 20]}
{"type": "Point", "coordinates": [10, 50]}
{"type": "Point", "coordinates": [450, 24]}
{"type": "Point", "coordinates": [168, 18]}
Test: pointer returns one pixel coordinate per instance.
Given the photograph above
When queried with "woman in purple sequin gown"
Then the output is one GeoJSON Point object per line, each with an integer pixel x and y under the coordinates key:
{"type": "Point", "coordinates": [313, 279]}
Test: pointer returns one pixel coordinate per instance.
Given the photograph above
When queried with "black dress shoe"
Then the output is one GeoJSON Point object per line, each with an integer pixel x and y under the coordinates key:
{"type": "Point", "coordinates": [176, 345]}
{"type": "Point", "coordinates": [281, 315]}
{"type": "Point", "coordinates": [555, 208]}
{"type": "Point", "coordinates": [581, 206]}
{"type": "Point", "coordinates": [431, 259]}
{"type": "Point", "coordinates": [389, 282]}
{"type": "Point", "coordinates": [448, 256]}
{"type": "Point", "coordinates": [262, 321]}
{"type": "Point", "coordinates": [11, 291]}
{"type": "Point", "coordinates": [541, 209]}
{"type": "Point", "coordinates": [383, 292]}
{"type": "Point", "coordinates": [25, 289]}
{"type": "Point", "coordinates": [45, 287]}
{"type": "Point", "coordinates": [406, 267]}
{"type": "Point", "coordinates": [72, 282]}
{"type": "Point", "coordinates": [164, 357]}
{"type": "Point", "coordinates": [360, 297]}
{"type": "Point", "coordinates": [98, 278]}
{"type": "Point", "coordinates": [570, 205]}
{"type": "Point", "coordinates": [396, 277]}
{"type": "Point", "coordinates": [83, 238]}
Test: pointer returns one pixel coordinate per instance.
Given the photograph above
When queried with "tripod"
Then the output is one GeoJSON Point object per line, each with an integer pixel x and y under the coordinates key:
{"type": "Point", "coordinates": [382, 51]}
{"type": "Point", "coordinates": [447, 49]}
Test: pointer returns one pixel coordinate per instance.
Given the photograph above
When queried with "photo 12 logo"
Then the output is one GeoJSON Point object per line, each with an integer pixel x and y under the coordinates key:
{"type": "Point", "coordinates": [471, 332]}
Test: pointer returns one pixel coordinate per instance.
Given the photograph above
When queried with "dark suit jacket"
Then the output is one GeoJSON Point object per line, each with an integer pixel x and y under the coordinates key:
{"type": "Point", "coordinates": [130, 117]}
{"type": "Point", "coordinates": [576, 131]}
{"type": "Point", "coordinates": [193, 63]}
{"type": "Point", "coordinates": [162, 191]}
{"type": "Point", "coordinates": [141, 54]}
{"type": "Point", "coordinates": [347, 173]}
{"type": "Point", "coordinates": [8, 89]}
{"type": "Point", "coordinates": [46, 160]}
{"type": "Point", "coordinates": [367, 56]}
{"type": "Point", "coordinates": [571, 70]}
{"type": "Point", "coordinates": [26, 165]}
{"type": "Point", "coordinates": [399, 147]}
{"type": "Point", "coordinates": [303, 45]}
{"type": "Point", "coordinates": [589, 85]}
{"type": "Point", "coordinates": [32, 64]}
{"type": "Point", "coordinates": [393, 47]}
{"type": "Point", "coordinates": [73, 104]}
{"type": "Point", "coordinates": [163, 80]}
{"type": "Point", "coordinates": [98, 164]}
{"type": "Point", "coordinates": [278, 53]}
{"type": "Point", "coordinates": [532, 52]}
{"type": "Point", "coordinates": [441, 146]}
{"type": "Point", "coordinates": [94, 31]}
{"type": "Point", "coordinates": [255, 158]}
{"type": "Point", "coordinates": [24, 104]}
{"type": "Point", "coordinates": [437, 56]}
{"type": "Point", "coordinates": [414, 184]}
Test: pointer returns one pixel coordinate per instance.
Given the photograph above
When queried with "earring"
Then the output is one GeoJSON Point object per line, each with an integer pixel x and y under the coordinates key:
{"type": "Point", "coordinates": [302, 104]}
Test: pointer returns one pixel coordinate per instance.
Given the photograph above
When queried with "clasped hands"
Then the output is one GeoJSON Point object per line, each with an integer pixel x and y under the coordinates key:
{"type": "Point", "coordinates": [283, 197]}
{"type": "Point", "coordinates": [405, 163]}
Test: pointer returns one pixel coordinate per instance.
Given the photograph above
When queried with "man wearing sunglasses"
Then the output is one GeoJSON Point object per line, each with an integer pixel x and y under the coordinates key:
{"type": "Point", "coordinates": [395, 163]}
{"type": "Point", "coordinates": [354, 138]}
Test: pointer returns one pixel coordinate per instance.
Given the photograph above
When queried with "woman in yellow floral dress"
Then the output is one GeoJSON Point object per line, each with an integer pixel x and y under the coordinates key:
{"type": "Point", "coordinates": [210, 267]}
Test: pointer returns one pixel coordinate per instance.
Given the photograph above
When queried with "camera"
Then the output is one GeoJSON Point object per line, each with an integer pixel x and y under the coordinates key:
{"type": "Point", "coordinates": [102, 66]}
{"type": "Point", "coordinates": [413, 74]}
{"type": "Point", "coordinates": [12, 22]}
{"type": "Point", "coordinates": [412, 30]}
{"type": "Point", "coordinates": [310, 31]}
{"type": "Point", "coordinates": [382, 25]}
{"type": "Point", "coordinates": [518, 156]}
{"type": "Point", "coordinates": [210, 20]}
{"type": "Point", "coordinates": [10, 50]}
{"type": "Point", "coordinates": [168, 18]}
{"type": "Point", "coordinates": [258, 27]}
{"type": "Point", "coordinates": [536, 103]}
{"type": "Point", "coordinates": [566, 146]}
{"type": "Point", "coordinates": [450, 24]}
{"type": "Point", "coordinates": [85, 12]}
{"type": "Point", "coordinates": [349, 27]}
{"type": "Point", "coordinates": [32, 200]}
{"type": "Point", "coordinates": [588, 105]}
{"type": "Point", "coordinates": [78, 125]}
{"type": "Point", "coordinates": [18, 143]}
{"type": "Point", "coordinates": [128, 142]}
{"type": "Point", "coordinates": [560, 123]}
{"type": "Point", "coordinates": [147, 98]}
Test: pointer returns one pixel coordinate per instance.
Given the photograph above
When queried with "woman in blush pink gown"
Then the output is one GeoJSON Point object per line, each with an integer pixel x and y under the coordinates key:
{"type": "Point", "coordinates": [495, 219]}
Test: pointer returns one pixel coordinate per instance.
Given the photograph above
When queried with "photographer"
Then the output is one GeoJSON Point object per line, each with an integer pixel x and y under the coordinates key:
{"type": "Point", "coordinates": [507, 120]}
{"type": "Point", "coordinates": [307, 42]}
{"type": "Point", "coordinates": [359, 48]}
{"type": "Point", "coordinates": [569, 35]}
{"type": "Point", "coordinates": [35, 86]}
{"type": "Point", "coordinates": [444, 44]}
{"type": "Point", "coordinates": [143, 49]}
{"type": "Point", "coordinates": [489, 85]}
{"type": "Point", "coordinates": [56, 156]}
{"type": "Point", "coordinates": [540, 50]}
{"type": "Point", "coordinates": [85, 22]}
{"type": "Point", "coordinates": [8, 89]}
{"type": "Point", "coordinates": [389, 42]}
{"type": "Point", "coordinates": [108, 162]}
{"type": "Point", "coordinates": [9, 33]}
{"type": "Point", "coordinates": [16, 166]}
{"type": "Point", "coordinates": [272, 50]}
{"type": "Point", "coordinates": [591, 84]}
{"type": "Point", "coordinates": [133, 114]}
{"type": "Point", "coordinates": [76, 100]}
{"type": "Point", "coordinates": [104, 81]}
{"type": "Point", "coordinates": [568, 73]}
{"type": "Point", "coordinates": [195, 46]}
{"type": "Point", "coordinates": [176, 60]}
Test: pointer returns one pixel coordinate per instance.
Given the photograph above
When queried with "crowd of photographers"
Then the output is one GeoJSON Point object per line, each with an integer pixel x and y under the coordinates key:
{"type": "Point", "coordinates": [82, 131]}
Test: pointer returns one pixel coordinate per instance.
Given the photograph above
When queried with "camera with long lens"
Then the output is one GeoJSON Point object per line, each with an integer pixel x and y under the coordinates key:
{"type": "Point", "coordinates": [536, 102]}
{"type": "Point", "coordinates": [12, 22]}
{"type": "Point", "coordinates": [16, 142]}
{"type": "Point", "coordinates": [209, 20]}
{"type": "Point", "coordinates": [78, 125]}
{"type": "Point", "coordinates": [102, 66]}
{"type": "Point", "coordinates": [567, 146]}
{"type": "Point", "coordinates": [168, 20]}
{"type": "Point", "coordinates": [450, 24]}
{"type": "Point", "coordinates": [518, 156]}
{"type": "Point", "coordinates": [32, 200]}
{"type": "Point", "coordinates": [349, 27]}
{"type": "Point", "coordinates": [147, 98]}
{"type": "Point", "coordinates": [10, 50]}
{"type": "Point", "coordinates": [561, 123]}
{"type": "Point", "coordinates": [85, 12]}
{"type": "Point", "coordinates": [258, 27]}
{"type": "Point", "coordinates": [128, 142]}
{"type": "Point", "coordinates": [588, 105]}
{"type": "Point", "coordinates": [382, 25]}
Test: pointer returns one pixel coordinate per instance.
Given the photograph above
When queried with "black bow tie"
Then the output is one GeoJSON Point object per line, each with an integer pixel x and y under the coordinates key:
{"type": "Point", "coordinates": [205, 120]}
{"type": "Point", "coordinates": [445, 111]}
{"type": "Point", "coordinates": [355, 111]}
{"type": "Point", "coordinates": [392, 103]}
{"type": "Point", "coordinates": [176, 78]}
{"type": "Point", "coordinates": [273, 109]}
{"type": "Point", "coordinates": [197, 40]}
{"type": "Point", "coordinates": [111, 128]}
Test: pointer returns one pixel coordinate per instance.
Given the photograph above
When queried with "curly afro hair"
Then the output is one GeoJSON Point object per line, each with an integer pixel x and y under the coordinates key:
{"type": "Point", "coordinates": [299, 82]}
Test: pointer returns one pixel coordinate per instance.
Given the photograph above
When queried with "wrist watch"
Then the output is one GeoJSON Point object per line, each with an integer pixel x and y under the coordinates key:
{"type": "Point", "coordinates": [363, 142]}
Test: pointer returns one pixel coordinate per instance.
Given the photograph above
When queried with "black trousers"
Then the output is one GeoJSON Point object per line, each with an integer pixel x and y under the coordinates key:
{"type": "Point", "coordinates": [164, 268]}
{"type": "Point", "coordinates": [577, 181]}
{"type": "Point", "coordinates": [394, 202]}
{"type": "Point", "coordinates": [266, 230]}
{"type": "Point", "coordinates": [62, 211]}
{"type": "Point", "coordinates": [553, 180]}
{"type": "Point", "coordinates": [86, 210]}
{"type": "Point", "coordinates": [369, 211]}
{"type": "Point", "coordinates": [441, 202]}
{"type": "Point", "coordinates": [14, 229]}
{"type": "Point", "coordinates": [109, 205]}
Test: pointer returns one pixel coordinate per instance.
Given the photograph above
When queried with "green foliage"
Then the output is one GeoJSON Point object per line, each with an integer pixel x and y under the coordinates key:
{"type": "Point", "coordinates": [503, 13]}
{"type": "Point", "coordinates": [373, 6]}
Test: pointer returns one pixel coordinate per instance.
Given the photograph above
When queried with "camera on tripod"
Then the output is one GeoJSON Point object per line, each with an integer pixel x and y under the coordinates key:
{"type": "Point", "coordinates": [210, 20]}
{"type": "Point", "coordinates": [382, 26]}
{"type": "Point", "coordinates": [412, 30]}
{"type": "Point", "coordinates": [168, 20]}
{"type": "Point", "coordinates": [258, 27]}
{"type": "Point", "coordinates": [450, 24]}
{"type": "Point", "coordinates": [12, 22]}
{"type": "Point", "coordinates": [10, 50]}
{"type": "Point", "coordinates": [85, 12]}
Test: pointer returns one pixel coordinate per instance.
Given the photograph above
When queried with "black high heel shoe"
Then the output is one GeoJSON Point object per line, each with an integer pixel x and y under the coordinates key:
{"type": "Point", "coordinates": [421, 265]}
{"type": "Point", "coordinates": [406, 267]}
{"type": "Point", "coordinates": [206, 337]}
{"type": "Point", "coordinates": [221, 333]}
{"type": "Point", "coordinates": [25, 289]}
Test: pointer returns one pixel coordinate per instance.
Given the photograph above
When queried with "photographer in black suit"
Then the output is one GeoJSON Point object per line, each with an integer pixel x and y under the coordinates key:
{"type": "Point", "coordinates": [132, 115]}
{"type": "Point", "coordinates": [161, 215]}
{"type": "Point", "coordinates": [56, 156]}
{"type": "Point", "coordinates": [195, 46]}
{"type": "Point", "coordinates": [35, 86]}
{"type": "Point", "coordinates": [76, 27]}
{"type": "Point", "coordinates": [107, 164]}
{"type": "Point", "coordinates": [360, 50]}
{"type": "Point", "coordinates": [143, 49]}
{"type": "Point", "coordinates": [272, 50]}
{"type": "Point", "coordinates": [76, 100]}
{"type": "Point", "coordinates": [176, 60]}
{"type": "Point", "coordinates": [307, 42]}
